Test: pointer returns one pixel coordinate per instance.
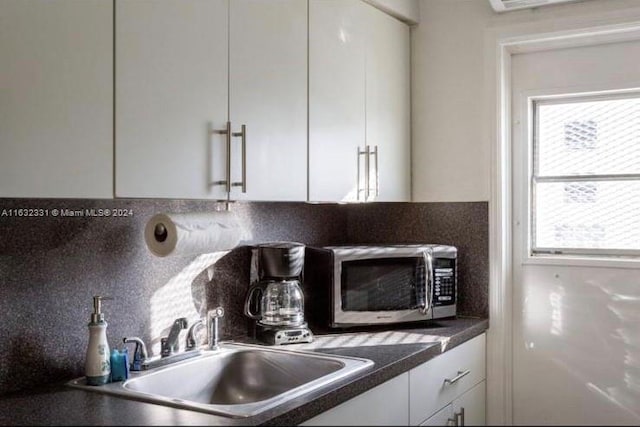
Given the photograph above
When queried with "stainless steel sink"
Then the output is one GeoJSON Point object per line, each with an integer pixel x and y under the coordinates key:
{"type": "Point", "coordinates": [238, 380]}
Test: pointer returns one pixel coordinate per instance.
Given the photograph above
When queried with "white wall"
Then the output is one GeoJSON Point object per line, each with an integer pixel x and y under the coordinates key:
{"type": "Point", "coordinates": [454, 127]}
{"type": "Point", "coordinates": [450, 95]}
{"type": "Point", "coordinates": [574, 335]}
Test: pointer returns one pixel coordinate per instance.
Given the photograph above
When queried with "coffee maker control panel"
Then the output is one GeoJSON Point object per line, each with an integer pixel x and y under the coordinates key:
{"type": "Point", "coordinates": [285, 336]}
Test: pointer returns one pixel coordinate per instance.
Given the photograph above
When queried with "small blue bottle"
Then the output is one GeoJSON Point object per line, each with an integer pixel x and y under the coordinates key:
{"type": "Point", "coordinates": [119, 365]}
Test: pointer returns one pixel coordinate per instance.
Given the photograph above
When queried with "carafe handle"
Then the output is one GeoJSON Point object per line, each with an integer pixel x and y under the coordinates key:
{"type": "Point", "coordinates": [247, 301]}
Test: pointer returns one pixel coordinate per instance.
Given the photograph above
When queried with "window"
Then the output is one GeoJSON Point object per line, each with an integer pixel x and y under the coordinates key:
{"type": "Point", "coordinates": [585, 188]}
{"type": "Point", "coordinates": [581, 134]}
{"type": "Point", "coordinates": [580, 192]}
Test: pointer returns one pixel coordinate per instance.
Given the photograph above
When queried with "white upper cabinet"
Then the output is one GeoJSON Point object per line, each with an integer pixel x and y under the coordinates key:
{"type": "Point", "coordinates": [271, 100]}
{"type": "Point", "coordinates": [171, 94]}
{"type": "Point", "coordinates": [268, 88]}
{"type": "Point", "coordinates": [56, 94]}
{"type": "Point", "coordinates": [189, 74]}
{"type": "Point", "coordinates": [406, 10]}
{"type": "Point", "coordinates": [359, 103]}
{"type": "Point", "coordinates": [388, 123]}
{"type": "Point", "coordinates": [337, 43]}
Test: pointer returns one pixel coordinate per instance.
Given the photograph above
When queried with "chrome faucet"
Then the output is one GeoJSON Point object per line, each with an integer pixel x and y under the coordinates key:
{"type": "Point", "coordinates": [169, 345]}
{"type": "Point", "coordinates": [140, 355]}
{"type": "Point", "coordinates": [212, 327]}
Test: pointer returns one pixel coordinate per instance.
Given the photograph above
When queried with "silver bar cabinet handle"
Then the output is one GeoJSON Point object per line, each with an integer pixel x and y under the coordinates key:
{"type": "Point", "coordinates": [367, 159]}
{"type": "Point", "coordinates": [376, 173]}
{"type": "Point", "coordinates": [226, 132]}
{"type": "Point", "coordinates": [358, 190]}
{"type": "Point", "coordinates": [243, 135]}
{"type": "Point", "coordinates": [460, 417]}
{"type": "Point", "coordinates": [458, 377]}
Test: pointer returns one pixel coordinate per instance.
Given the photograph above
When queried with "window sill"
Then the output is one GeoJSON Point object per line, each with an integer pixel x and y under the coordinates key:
{"type": "Point", "coordinates": [600, 261]}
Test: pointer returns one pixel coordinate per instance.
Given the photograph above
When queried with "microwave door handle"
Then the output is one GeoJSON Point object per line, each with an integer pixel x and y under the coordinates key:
{"type": "Point", "coordinates": [428, 283]}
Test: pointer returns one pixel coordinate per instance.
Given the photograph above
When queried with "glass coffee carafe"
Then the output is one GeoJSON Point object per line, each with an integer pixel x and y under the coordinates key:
{"type": "Point", "coordinates": [280, 303]}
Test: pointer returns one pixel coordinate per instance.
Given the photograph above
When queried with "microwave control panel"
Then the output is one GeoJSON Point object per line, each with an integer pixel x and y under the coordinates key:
{"type": "Point", "coordinates": [444, 291]}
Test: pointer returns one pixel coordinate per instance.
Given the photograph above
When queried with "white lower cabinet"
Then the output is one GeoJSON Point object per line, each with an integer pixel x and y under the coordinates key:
{"type": "Point", "coordinates": [455, 379]}
{"type": "Point", "coordinates": [386, 404]}
{"type": "Point", "coordinates": [447, 390]}
{"type": "Point", "coordinates": [466, 410]}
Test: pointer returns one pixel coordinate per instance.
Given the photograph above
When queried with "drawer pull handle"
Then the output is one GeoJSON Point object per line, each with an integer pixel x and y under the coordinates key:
{"type": "Point", "coordinates": [458, 377]}
{"type": "Point", "coordinates": [460, 417]}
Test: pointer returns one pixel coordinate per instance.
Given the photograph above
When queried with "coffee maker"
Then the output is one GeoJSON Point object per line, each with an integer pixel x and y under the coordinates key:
{"type": "Point", "coordinates": [275, 298]}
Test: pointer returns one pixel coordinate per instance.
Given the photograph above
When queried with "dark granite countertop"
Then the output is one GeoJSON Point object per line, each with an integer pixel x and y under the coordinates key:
{"type": "Point", "coordinates": [393, 352]}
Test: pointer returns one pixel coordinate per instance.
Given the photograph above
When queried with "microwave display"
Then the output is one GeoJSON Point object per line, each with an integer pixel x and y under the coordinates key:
{"type": "Point", "coordinates": [383, 284]}
{"type": "Point", "coordinates": [444, 286]}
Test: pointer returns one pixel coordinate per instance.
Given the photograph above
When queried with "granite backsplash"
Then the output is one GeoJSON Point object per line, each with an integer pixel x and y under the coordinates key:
{"type": "Point", "coordinates": [50, 267]}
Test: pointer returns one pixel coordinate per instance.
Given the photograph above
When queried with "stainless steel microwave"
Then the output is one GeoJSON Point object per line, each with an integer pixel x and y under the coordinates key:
{"type": "Point", "coordinates": [347, 286]}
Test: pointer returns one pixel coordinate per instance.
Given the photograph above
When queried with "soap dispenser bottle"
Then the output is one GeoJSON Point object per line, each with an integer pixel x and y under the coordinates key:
{"type": "Point", "coordinates": [97, 363]}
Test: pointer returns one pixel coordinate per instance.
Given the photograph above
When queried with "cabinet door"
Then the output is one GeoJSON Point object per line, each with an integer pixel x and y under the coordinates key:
{"type": "Point", "coordinates": [469, 408]}
{"type": "Point", "coordinates": [388, 107]}
{"type": "Point", "coordinates": [171, 93]}
{"type": "Point", "coordinates": [268, 94]}
{"type": "Point", "coordinates": [444, 417]}
{"type": "Point", "coordinates": [386, 404]}
{"type": "Point", "coordinates": [337, 43]}
{"type": "Point", "coordinates": [56, 98]}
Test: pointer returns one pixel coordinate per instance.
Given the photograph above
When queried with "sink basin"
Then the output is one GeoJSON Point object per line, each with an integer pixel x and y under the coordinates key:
{"type": "Point", "coordinates": [237, 381]}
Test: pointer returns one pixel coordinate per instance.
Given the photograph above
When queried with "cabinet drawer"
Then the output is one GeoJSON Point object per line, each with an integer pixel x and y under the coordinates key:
{"type": "Point", "coordinates": [439, 381]}
{"type": "Point", "coordinates": [470, 408]}
{"type": "Point", "coordinates": [444, 417]}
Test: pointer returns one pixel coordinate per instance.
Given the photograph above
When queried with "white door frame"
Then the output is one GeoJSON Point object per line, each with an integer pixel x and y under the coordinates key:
{"type": "Point", "coordinates": [500, 44]}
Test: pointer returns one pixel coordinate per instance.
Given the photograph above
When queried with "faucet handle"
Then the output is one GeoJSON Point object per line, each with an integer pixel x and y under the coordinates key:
{"type": "Point", "coordinates": [212, 326]}
{"type": "Point", "coordinates": [216, 313]}
{"type": "Point", "coordinates": [170, 344]}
